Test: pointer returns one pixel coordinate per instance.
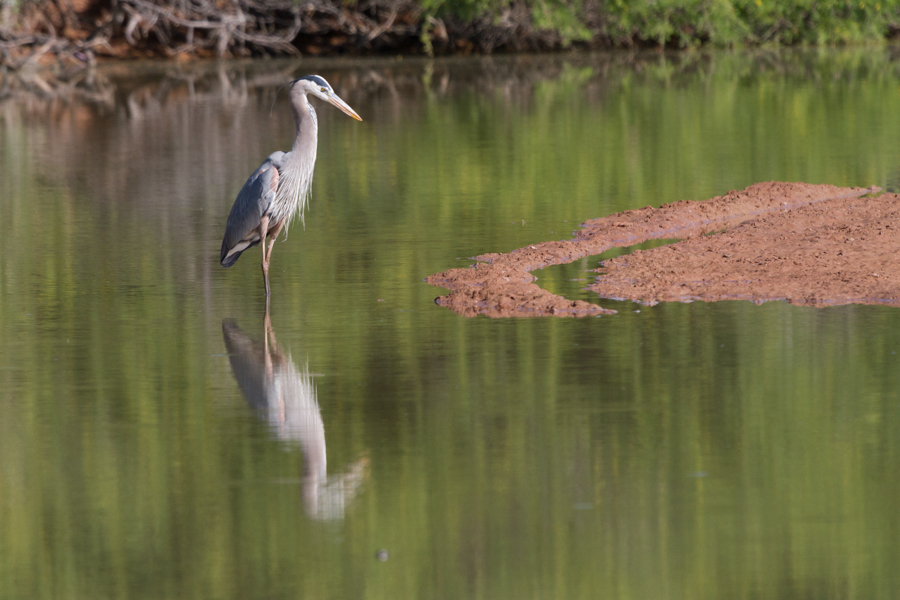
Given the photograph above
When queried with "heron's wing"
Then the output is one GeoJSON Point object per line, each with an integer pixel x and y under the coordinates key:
{"type": "Point", "coordinates": [242, 229]}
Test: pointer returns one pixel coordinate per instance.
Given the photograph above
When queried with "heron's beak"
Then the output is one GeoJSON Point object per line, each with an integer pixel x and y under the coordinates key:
{"type": "Point", "coordinates": [335, 100]}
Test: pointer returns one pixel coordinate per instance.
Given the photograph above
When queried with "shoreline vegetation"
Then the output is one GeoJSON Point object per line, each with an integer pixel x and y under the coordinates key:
{"type": "Point", "coordinates": [67, 32]}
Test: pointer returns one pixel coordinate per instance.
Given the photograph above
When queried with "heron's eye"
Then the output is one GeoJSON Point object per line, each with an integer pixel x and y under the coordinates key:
{"type": "Point", "coordinates": [324, 90]}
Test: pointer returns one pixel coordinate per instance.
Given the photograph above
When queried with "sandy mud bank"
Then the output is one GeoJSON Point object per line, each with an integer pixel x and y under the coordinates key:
{"type": "Point", "coordinates": [816, 245]}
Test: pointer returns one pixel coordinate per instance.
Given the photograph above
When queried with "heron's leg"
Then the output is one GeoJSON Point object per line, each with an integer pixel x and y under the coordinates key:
{"type": "Point", "coordinates": [263, 230]}
{"type": "Point", "coordinates": [273, 234]}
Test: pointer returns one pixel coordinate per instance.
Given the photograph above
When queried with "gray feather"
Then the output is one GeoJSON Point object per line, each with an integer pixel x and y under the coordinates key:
{"type": "Point", "coordinates": [253, 201]}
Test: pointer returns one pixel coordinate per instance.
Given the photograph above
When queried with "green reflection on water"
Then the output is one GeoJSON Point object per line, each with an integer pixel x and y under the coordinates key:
{"type": "Point", "coordinates": [686, 451]}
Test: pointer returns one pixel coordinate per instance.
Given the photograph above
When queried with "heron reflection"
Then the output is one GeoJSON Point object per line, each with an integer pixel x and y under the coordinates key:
{"type": "Point", "coordinates": [286, 397]}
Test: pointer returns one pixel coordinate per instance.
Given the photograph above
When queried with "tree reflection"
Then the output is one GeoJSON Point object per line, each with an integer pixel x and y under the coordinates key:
{"type": "Point", "coordinates": [286, 397]}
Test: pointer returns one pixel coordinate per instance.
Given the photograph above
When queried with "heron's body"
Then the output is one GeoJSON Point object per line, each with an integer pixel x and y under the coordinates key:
{"type": "Point", "coordinates": [279, 189]}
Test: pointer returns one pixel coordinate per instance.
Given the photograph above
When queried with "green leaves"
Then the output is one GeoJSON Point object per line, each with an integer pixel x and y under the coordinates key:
{"type": "Point", "coordinates": [562, 17]}
{"type": "Point", "coordinates": [731, 22]}
{"type": "Point", "coordinates": [687, 23]}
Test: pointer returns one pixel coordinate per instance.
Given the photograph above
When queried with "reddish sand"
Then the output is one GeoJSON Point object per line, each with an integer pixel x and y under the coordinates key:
{"type": "Point", "coordinates": [817, 245]}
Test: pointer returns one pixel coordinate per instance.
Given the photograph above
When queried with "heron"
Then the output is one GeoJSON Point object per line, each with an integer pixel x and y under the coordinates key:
{"type": "Point", "coordinates": [278, 190]}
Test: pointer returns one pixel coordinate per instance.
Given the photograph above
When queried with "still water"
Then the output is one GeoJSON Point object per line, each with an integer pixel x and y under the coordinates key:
{"type": "Point", "coordinates": [156, 441]}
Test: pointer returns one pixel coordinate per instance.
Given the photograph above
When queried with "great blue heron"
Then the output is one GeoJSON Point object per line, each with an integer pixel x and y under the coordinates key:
{"type": "Point", "coordinates": [286, 397]}
{"type": "Point", "coordinates": [279, 189]}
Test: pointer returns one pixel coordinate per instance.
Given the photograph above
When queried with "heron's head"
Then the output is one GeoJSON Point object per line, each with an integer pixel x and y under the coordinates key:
{"type": "Point", "coordinates": [314, 85]}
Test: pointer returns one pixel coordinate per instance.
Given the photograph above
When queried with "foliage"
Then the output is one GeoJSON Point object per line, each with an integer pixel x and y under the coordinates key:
{"type": "Point", "coordinates": [819, 22]}
{"type": "Point", "coordinates": [692, 22]}
{"type": "Point", "coordinates": [679, 22]}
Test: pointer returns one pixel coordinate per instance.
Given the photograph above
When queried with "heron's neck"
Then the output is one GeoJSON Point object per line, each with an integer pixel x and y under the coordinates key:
{"type": "Point", "coordinates": [307, 128]}
{"type": "Point", "coordinates": [297, 167]}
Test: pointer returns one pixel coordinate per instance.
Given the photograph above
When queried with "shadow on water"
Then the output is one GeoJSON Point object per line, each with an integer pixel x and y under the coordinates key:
{"type": "Point", "coordinates": [286, 398]}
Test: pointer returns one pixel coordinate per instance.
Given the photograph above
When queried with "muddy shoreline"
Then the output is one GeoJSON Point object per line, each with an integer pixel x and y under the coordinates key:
{"type": "Point", "coordinates": [813, 245]}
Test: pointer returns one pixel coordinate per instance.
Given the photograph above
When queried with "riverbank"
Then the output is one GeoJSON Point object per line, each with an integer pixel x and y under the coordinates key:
{"type": "Point", "coordinates": [34, 32]}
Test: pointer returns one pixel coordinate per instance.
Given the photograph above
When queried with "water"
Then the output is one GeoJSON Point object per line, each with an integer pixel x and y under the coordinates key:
{"type": "Point", "coordinates": [683, 451]}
